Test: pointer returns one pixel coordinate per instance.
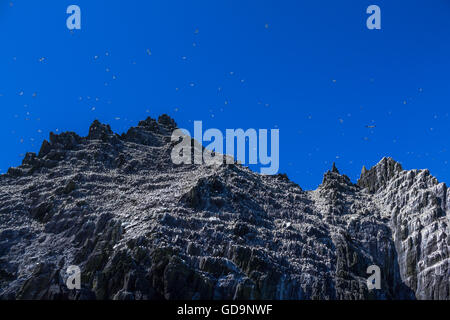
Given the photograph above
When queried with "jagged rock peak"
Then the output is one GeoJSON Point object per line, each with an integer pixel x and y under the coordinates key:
{"type": "Point", "coordinates": [379, 175]}
{"type": "Point", "coordinates": [45, 148]}
{"type": "Point", "coordinates": [65, 140]}
{"type": "Point", "coordinates": [99, 131]}
{"type": "Point", "coordinates": [167, 121]}
{"type": "Point", "coordinates": [334, 169]}
{"type": "Point", "coordinates": [363, 171]}
{"type": "Point", "coordinates": [149, 123]}
{"type": "Point", "coordinates": [335, 181]}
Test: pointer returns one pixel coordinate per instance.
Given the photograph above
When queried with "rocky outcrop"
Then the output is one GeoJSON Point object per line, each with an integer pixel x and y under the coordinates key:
{"type": "Point", "coordinates": [415, 203]}
{"type": "Point", "coordinates": [380, 175]}
{"type": "Point", "coordinates": [140, 227]}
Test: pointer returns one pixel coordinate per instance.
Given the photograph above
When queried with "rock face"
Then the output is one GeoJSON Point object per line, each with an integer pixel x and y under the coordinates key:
{"type": "Point", "coordinates": [140, 227]}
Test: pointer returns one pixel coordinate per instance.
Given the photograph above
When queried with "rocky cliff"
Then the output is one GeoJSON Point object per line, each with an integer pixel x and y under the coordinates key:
{"type": "Point", "coordinates": [140, 227]}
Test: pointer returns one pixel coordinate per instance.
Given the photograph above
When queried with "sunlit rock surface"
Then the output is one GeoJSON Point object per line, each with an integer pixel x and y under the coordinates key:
{"type": "Point", "coordinates": [140, 227]}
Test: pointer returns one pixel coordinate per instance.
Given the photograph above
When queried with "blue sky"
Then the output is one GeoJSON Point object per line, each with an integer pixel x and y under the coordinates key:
{"type": "Point", "coordinates": [309, 68]}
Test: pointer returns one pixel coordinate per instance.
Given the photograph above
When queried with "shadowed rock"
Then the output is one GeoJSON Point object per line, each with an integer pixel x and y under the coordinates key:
{"type": "Point", "coordinates": [379, 175]}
